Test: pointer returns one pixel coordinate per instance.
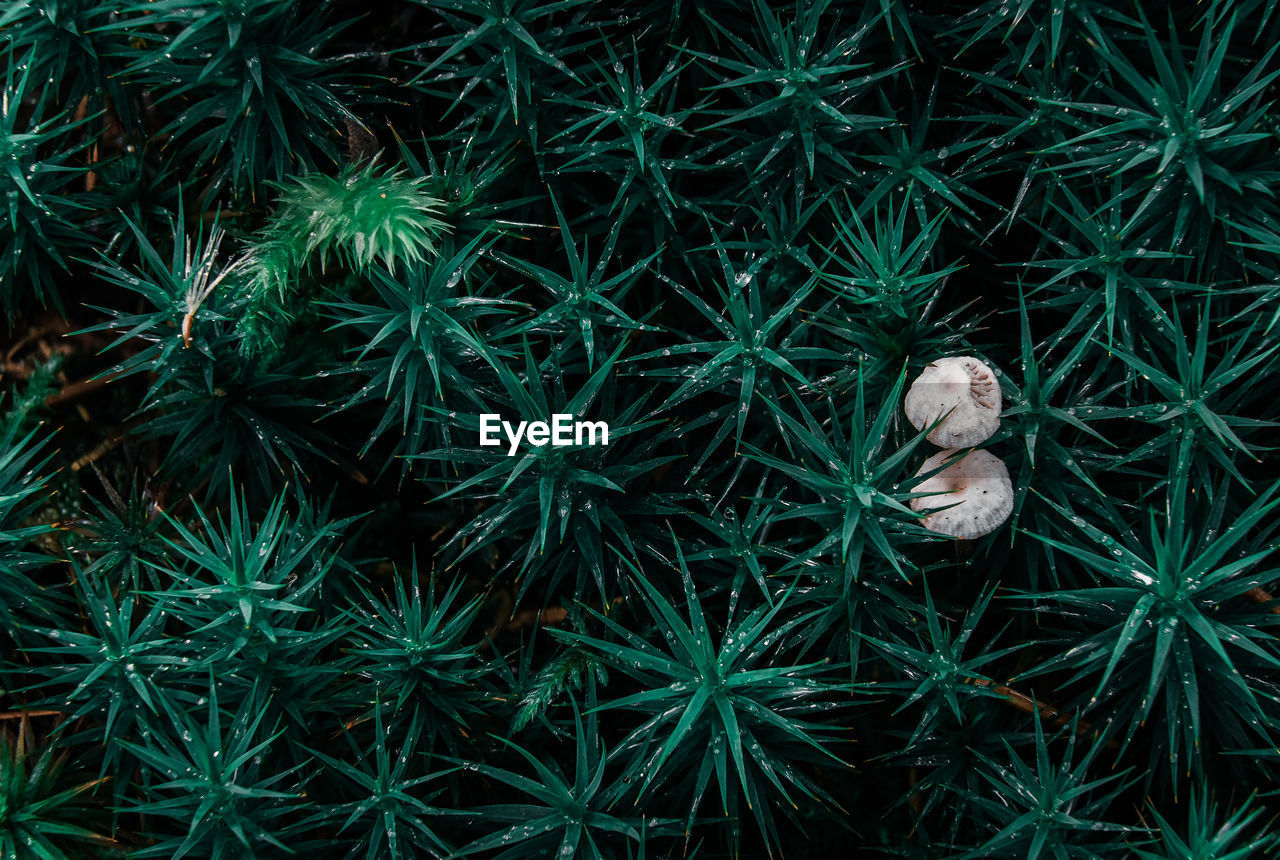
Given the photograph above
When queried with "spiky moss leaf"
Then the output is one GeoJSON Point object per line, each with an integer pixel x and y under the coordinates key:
{"type": "Point", "coordinates": [37, 151]}
{"type": "Point", "coordinates": [109, 672]}
{"type": "Point", "coordinates": [363, 217]}
{"type": "Point", "coordinates": [1173, 626]}
{"type": "Point", "coordinates": [425, 338]}
{"type": "Point", "coordinates": [936, 672]}
{"type": "Point", "coordinates": [44, 816]}
{"type": "Point", "coordinates": [210, 792]}
{"type": "Point", "coordinates": [794, 86]}
{"type": "Point", "coordinates": [564, 815]}
{"type": "Point", "coordinates": [1209, 833]}
{"type": "Point", "coordinates": [577, 503]}
{"type": "Point", "coordinates": [63, 42]}
{"type": "Point", "coordinates": [734, 707]}
{"type": "Point", "coordinates": [492, 41]}
{"type": "Point", "coordinates": [23, 488]}
{"type": "Point", "coordinates": [1184, 126]}
{"type": "Point", "coordinates": [121, 536]}
{"type": "Point", "coordinates": [243, 85]}
{"type": "Point", "coordinates": [387, 804]}
{"type": "Point", "coordinates": [408, 648]}
{"type": "Point", "coordinates": [365, 214]}
{"type": "Point", "coordinates": [241, 583]}
{"type": "Point", "coordinates": [1049, 807]}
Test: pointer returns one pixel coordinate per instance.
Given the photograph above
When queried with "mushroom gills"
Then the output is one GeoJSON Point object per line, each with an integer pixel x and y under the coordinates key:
{"type": "Point", "coordinates": [964, 393]}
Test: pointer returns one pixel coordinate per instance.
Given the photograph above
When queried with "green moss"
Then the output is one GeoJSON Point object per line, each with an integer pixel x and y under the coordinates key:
{"type": "Point", "coordinates": [267, 263]}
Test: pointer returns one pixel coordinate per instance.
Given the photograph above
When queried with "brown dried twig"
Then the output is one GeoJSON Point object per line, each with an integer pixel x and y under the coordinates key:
{"type": "Point", "coordinates": [1030, 705]}
{"type": "Point", "coordinates": [79, 388]}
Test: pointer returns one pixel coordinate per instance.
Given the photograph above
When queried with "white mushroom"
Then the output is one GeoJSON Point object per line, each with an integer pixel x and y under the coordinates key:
{"type": "Point", "coordinates": [978, 488]}
{"type": "Point", "coordinates": [963, 389]}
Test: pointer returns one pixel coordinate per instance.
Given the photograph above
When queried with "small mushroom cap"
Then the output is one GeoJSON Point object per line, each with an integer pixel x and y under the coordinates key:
{"type": "Point", "coordinates": [978, 487]}
{"type": "Point", "coordinates": [964, 387]}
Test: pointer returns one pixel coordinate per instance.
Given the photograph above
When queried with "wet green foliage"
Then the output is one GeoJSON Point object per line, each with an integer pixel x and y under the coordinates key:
{"type": "Point", "coordinates": [265, 594]}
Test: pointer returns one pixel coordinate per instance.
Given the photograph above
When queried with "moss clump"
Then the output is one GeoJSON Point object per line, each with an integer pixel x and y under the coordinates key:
{"type": "Point", "coordinates": [271, 267]}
